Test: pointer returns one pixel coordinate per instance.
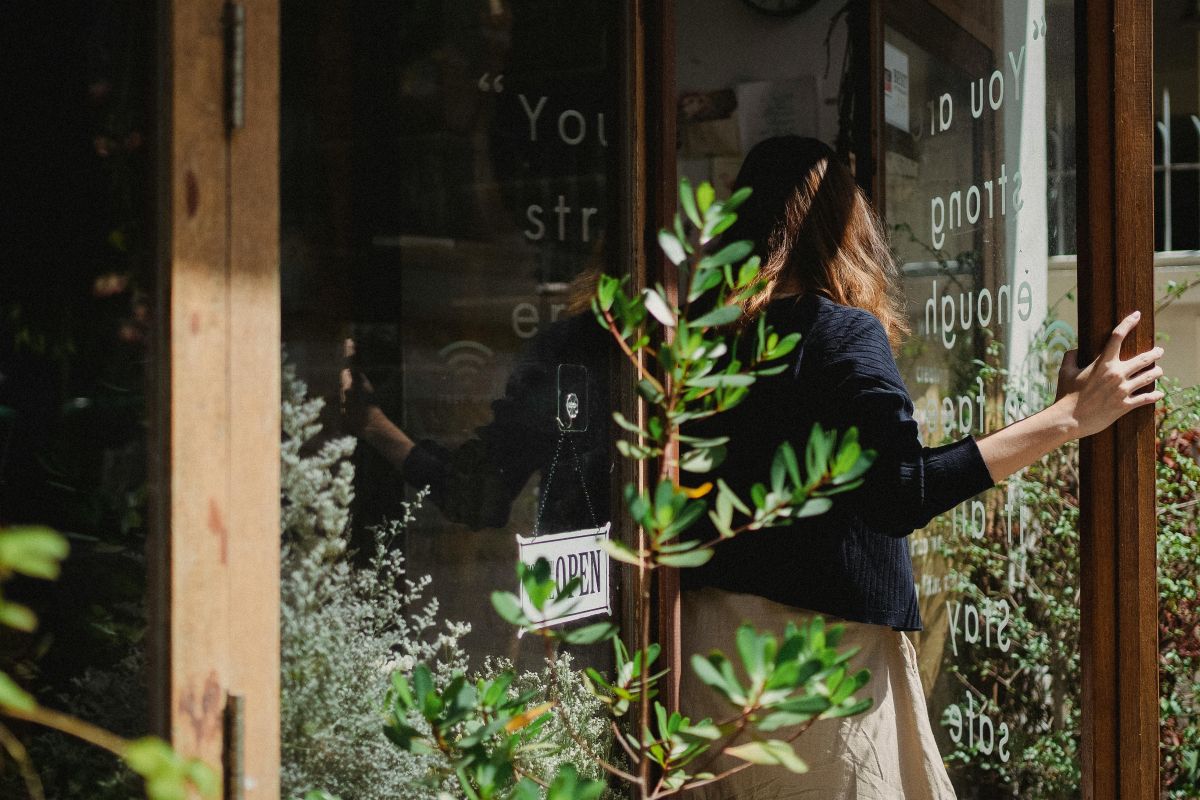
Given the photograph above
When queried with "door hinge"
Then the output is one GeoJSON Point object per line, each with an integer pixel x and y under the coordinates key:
{"type": "Point", "coordinates": [235, 66]}
{"type": "Point", "coordinates": [235, 744]}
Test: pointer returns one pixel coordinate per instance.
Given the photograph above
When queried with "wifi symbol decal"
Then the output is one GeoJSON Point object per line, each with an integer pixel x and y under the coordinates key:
{"type": "Point", "coordinates": [1059, 336]}
{"type": "Point", "coordinates": [466, 359]}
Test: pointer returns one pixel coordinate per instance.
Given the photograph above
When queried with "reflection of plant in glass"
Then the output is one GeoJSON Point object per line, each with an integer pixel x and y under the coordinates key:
{"type": "Point", "coordinates": [38, 553]}
{"type": "Point", "coordinates": [1178, 483]}
{"type": "Point", "coordinates": [704, 365]}
{"type": "Point", "coordinates": [1034, 589]}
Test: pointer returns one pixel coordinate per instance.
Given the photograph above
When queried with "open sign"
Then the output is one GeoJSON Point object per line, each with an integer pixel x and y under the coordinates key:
{"type": "Point", "coordinates": [574, 554]}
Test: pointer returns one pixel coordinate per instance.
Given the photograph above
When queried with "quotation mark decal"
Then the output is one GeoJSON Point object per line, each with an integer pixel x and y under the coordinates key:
{"type": "Point", "coordinates": [489, 84]}
{"type": "Point", "coordinates": [1039, 27]}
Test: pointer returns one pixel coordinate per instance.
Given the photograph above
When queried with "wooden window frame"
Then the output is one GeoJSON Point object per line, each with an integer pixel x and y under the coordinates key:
{"type": "Point", "coordinates": [213, 638]}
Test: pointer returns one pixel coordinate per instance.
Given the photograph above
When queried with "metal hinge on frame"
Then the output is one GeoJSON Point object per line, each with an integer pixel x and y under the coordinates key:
{"type": "Point", "coordinates": [235, 66]}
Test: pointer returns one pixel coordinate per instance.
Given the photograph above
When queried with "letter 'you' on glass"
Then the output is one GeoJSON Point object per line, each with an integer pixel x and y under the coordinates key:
{"type": "Point", "coordinates": [574, 554]}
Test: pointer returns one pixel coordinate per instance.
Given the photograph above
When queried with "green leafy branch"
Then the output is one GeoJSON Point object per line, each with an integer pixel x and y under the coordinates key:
{"type": "Point", "coordinates": [696, 357]}
{"type": "Point", "coordinates": [38, 552]}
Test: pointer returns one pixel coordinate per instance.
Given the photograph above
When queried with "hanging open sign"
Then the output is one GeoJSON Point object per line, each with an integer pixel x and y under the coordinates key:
{"type": "Point", "coordinates": [574, 554]}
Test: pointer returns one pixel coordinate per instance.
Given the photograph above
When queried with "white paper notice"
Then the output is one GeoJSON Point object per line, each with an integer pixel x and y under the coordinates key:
{"type": "Point", "coordinates": [776, 108]}
{"type": "Point", "coordinates": [895, 86]}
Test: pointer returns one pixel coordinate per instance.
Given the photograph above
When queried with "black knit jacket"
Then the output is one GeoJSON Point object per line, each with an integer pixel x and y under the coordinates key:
{"type": "Point", "coordinates": [851, 562]}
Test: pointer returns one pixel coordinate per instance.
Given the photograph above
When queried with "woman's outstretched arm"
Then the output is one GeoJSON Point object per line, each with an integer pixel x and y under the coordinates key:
{"type": "Point", "coordinates": [1088, 401]}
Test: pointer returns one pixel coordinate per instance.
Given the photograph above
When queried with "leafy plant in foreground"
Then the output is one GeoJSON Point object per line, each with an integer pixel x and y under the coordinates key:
{"type": "Point", "coordinates": [38, 553]}
{"type": "Point", "coordinates": [704, 363]}
{"type": "Point", "coordinates": [1036, 589]}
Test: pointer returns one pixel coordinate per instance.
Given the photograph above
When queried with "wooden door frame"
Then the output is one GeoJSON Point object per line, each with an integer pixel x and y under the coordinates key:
{"type": "Point", "coordinates": [213, 638]}
{"type": "Point", "coordinates": [1119, 586]}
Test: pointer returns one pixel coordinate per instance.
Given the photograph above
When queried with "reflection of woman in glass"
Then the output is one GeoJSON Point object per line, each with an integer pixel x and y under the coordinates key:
{"type": "Point", "coordinates": [476, 483]}
{"type": "Point", "coordinates": [831, 278]}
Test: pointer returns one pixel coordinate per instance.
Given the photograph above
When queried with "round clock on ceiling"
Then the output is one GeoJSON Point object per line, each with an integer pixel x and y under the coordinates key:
{"type": "Point", "coordinates": [780, 8]}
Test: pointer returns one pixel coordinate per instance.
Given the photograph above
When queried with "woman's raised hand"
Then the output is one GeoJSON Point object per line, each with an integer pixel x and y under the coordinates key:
{"type": "Point", "coordinates": [1109, 387]}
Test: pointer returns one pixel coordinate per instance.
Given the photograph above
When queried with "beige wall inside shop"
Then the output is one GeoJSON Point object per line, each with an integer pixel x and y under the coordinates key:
{"type": "Point", "coordinates": [721, 43]}
{"type": "Point", "coordinates": [1177, 325]}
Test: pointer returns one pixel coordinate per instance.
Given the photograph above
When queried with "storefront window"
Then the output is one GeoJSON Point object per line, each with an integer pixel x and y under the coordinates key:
{"type": "Point", "coordinates": [448, 175]}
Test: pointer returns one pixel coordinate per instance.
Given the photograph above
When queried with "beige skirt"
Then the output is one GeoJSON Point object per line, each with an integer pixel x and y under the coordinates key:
{"type": "Point", "coordinates": [887, 753]}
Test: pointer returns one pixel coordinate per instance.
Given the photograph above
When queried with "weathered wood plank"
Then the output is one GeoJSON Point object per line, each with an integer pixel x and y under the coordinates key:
{"type": "Point", "coordinates": [254, 367]}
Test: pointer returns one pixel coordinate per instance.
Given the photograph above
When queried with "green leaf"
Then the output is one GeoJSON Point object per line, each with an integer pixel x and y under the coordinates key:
{"type": "Point", "coordinates": [735, 379]}
{"type": "Point", "coordinates": [785, 345]}
{"type": "Point", "coordinates": [687, 201]}
{"type": "Point", "coordinates": [848, 711]}
{"type": "Point", "coordinates": [589, 634]}
{"type": "Point", "coordinates": [748, 272]}
{"type": "Point", "coordinates": [782, 719]}
{"type": "Point", "coordinates": [813, 507]}
{"type": "Point", "coordinates": [539, 584]}
{"type": "Point", "coordinates": [13, 696]}
{"type": "Point", "coordinates": [620, 552]}
{"type": "Point", "coordinates": [33, 551]}
{"type": "Point", "coordinates": [723, 489]}
{"type": "Point", "coordinates": [703, 459]}
{"type": "Point", "coordinates": [787, 454]}
{"type": "Point", "coordinates": [736, 199]}
{"type": "Point", "coordinates": [729, 254]}
{"type": "Point", "coordinates": [649, 391]}
{"type": "Point", "coordinates": [750, 648]}
{"type": "Point", "coordinates": [672, 248]}
{"type": "Point", "coordinates": [17, 616]}
{"type": "Point", "coordinates": [204, 778]}
{"type": "Point", "coordinates": [568, 786]}
{"type": "Point", "coordinates": [705, 729]}
{"type": "Point", "coordinates": [508, 606]}
{"type": "Point", "coordinates": [705, 196]}
{"type": "Point", "coordinates": [658, 307]}
{"type": "Point", "coordinates": [704, 281]}
{"type": "Point", "coordinates": [148, 755]}
{"type": "Point", "coordinates": [691, 558]}
{"type": "Point", "coordinates": [402, 691]}
{"type": "Point", "coordinates": [865, 460]}
{"type": "Point", "coordinates": [721, 315]}
{"type": "Point", "coordinates": [685, 518]}
{"type": "Point", "coordinates": [717, 224]}
{"type": "Point", "coordinates": [526, 790]}
{"type": "Point", "coordinates": [624, 422]}
{"type": "Point", "coordinates": [726, 681]}
{"type": "Point", "coordinates": [847, 457]}
{"type": "Point", "coordinates": [769, 752]}
{"type": "Point", "coordinates": [606, 290]}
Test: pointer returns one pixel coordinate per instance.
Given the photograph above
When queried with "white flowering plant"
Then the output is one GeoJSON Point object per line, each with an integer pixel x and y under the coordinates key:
{"type": "Point", "coordinates": [349, 619]}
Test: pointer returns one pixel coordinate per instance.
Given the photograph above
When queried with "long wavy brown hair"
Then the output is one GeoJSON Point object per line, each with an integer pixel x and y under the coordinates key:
{"type": "Point", "coordinates": [815, 231]}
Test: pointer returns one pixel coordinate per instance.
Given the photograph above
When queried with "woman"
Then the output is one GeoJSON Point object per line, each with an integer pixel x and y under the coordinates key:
{"type": "Point", "coordinates": [830, 277]}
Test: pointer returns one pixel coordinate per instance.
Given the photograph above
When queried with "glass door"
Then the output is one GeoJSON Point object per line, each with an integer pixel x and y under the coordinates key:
{"type": "Point", "coordinates": [977, 140]}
